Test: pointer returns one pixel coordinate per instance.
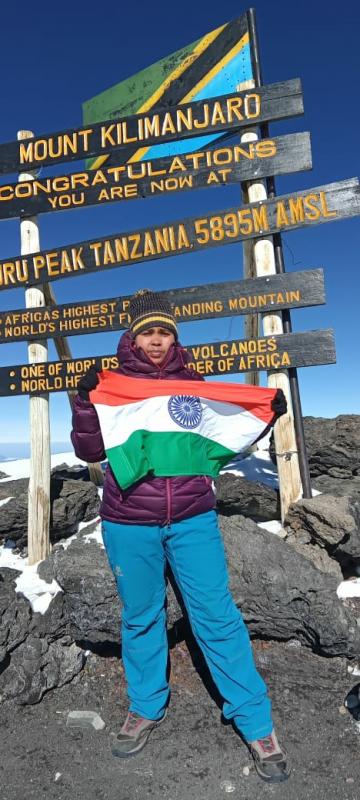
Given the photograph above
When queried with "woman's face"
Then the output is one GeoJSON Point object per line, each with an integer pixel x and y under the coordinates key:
{"type": "Point", "coordinates": [155, 342]}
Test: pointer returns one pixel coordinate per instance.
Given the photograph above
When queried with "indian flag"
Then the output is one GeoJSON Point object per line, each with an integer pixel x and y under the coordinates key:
{"type": "Point", "coordinates": [176, 427]}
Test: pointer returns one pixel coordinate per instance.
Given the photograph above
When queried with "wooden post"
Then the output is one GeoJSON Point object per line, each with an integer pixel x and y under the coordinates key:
{"type": "Point", "coordinates": [40, 464]}
{"type": "Point", "coordinates": [63, 350]}
{"type": "Point", "coordinates": [294, 437]}
{"type": "Point", "coordinates": [251, 321]}
{"type": "Point", "coordinates": [284, 433]}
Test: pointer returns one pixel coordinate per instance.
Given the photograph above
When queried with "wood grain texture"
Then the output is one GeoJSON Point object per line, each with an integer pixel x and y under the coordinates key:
{"type": "Point", "coordinates": [190, 303]}
{"type": "Point", "coordinates": [305, 209]}
{"type": "Point", "coordinates": [207, 169]}
{"type": "Point", "coordinates": [276, 101]}
{"type": "Point", "coordinates": [233, 356]}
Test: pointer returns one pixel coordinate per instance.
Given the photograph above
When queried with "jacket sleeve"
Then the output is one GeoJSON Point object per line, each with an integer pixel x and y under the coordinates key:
{"type": "Point", "coordinates": [86, 434]}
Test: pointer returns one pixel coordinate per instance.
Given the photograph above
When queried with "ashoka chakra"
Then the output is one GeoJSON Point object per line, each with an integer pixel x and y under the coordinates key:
{"type": "Point", "coordinates": [185, 410]}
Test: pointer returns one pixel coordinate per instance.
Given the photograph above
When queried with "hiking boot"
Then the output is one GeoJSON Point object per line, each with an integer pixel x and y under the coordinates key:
{"type": "Point", "coordinates": [270, 759]}
{"type": "Point", "coordinates": [134, 734]}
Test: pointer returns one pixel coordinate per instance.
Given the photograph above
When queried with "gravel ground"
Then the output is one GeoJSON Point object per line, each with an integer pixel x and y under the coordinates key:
{"type": "Point", "coordinates": [193, 755]}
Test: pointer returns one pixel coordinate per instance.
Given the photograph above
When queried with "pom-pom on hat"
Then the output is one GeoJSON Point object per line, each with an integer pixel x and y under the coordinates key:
{"type": "Point", "coordinates": [148, 309]}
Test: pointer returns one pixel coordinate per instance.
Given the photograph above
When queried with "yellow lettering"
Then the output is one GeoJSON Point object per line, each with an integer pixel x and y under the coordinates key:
{"type": "Point", "coordinates": [151, 126]}
{"type": "Point", "coordinates": [296, 209]}
{"type": "Point", "coordinates": [26, 152]}
{"type": "Point", "coordinates": [106, 137]}
{"type": "Point", "coordinates": [324, 208]}
{"type": "Point", "coordinates": [176, 163]}
{"type": "Point", "coordinates": [281, 216]}
{"type": "Point", "coordinates": [245, 221]}
{"type": "Point", "coordinates": [265, 148]}
{"type": "Point", "coordinates": [310, 206]}
{"type": "Point", "coordinates": [168, 125]}
{"type": "Point", "coordinates": [217, 114]}
{"type": "Point", "coordinates": [260, 217]}
{"type": "Point", "coordinates": [212, 178]}
{"type": "Point", "coordinates": [104, 195]}
{"type": "Point", "coordinates": [108, 256]}
{"type": "Point", "coordinates": [233, 108]}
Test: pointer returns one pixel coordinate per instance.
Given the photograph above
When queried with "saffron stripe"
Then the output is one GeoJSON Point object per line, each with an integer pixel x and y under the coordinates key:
{"type": "Point", "coordinates": [115, 389]}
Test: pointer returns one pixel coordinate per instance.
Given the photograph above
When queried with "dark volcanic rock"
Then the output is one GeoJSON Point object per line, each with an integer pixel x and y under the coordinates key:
{"type": "Point", "coordinates": [72, 501]}
{"type": "Point", "coordinates": [36, 652]}
{"type": "Point", "coordinates": [92, 605]}
{"type": "Point", "coordinates": [282, 595]}
{"type": "Point", "coordinates": [13, 520]}
{"type": "Point", "coordinates": [237, 495]}
{"type": "Point", "coordinates": [15, 614]}
{"type": "Point", "coordinates": [76, 502]}
{"type": "Point", "coordinates": [77, 472]}
{"type": "Point", "coordinates": [13, 488]}
{"type": "Point", "coordinates": [330, 485]}
{"type": "Point", "coordinates": [329, 522]}
{"type": "Point", "coordinates": [37, 666]}
{"type": "Point", "coordinates": [3, 475]}
{"type": "Point", "coordinates": [333, 445]}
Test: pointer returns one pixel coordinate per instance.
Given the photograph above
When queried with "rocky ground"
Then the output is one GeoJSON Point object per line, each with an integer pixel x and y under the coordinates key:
{"type": "Point", "coordinates": [306, 644]}
{"type": "Point", "coordinates": [193, 755]}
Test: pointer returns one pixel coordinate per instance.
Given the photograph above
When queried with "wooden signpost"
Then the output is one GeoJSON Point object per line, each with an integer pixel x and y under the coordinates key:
{"type": "Point", "coordinates": [191, 303]}
{"type": "Point", "coordinates": [200, 170]}
{"type": "Point", "coordinates": [121, 142]}
{"type": "Point", "coordinates": [213, 115]}
{"type": "Point", "coordinates": [232, 356]}
{"type": "Point", "coordinates": [304, 209]}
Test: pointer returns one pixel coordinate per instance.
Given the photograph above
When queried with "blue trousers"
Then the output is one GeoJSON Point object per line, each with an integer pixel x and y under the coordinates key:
{"type": "Point", "coordinates": [194, 549]}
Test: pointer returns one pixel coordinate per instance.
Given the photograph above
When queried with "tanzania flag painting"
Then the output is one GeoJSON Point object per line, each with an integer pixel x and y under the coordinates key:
{"type": "Point", "coordinates": [216, 64]}
{"type": "Point", "coordinates": [176, 427]}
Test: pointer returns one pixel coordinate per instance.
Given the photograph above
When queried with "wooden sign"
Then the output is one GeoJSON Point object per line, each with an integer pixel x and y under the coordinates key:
{"type": "Point", "coordinates": [214, 358]}
{"type": "Point", "coordinates": [256, 295]}
{"type": "Point", "coordinates": [200, 170]}
{"type": "Point", "coordinates": [309, 207]}
{"type": "Point", "coordinates": [163, 124]}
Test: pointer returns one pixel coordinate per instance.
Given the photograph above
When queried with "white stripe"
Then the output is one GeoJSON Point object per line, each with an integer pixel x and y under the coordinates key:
{"type": "Point", "coordinates": [229, 425]}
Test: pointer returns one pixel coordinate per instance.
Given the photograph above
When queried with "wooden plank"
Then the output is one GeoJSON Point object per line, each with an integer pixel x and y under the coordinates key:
{"type": "Point", "coordinates": [304, 209]}
{"type": "Point", "coordinates": [162, 124]}
{"type": "Point", "coordinates": [233, 356]}
{"type": "Point", "coordinates": [214, 300]}
{"type": "Point", "coordinates": [206, 169]}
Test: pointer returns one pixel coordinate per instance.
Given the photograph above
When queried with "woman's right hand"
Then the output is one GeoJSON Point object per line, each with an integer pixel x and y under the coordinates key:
{"type": "Point", "coordinates": [87, 383]}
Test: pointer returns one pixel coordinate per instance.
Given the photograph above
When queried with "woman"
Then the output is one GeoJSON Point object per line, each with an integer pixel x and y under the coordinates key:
{"type": "Point", "coordinates": [172, 519]}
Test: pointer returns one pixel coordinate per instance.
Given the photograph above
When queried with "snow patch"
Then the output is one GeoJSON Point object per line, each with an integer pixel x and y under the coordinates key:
{"type": "Point", "coordinates": [256, 466]}
{"type": "Point", "coordinates": [20, 468]}
{"type": "Point", "coordinates": [273, 526]}
{"type": "Point", "coordinates": [350, 588]}
{"type": "Point", "coordinates": [35, 589]}
{"type": "Point", "coordinates": [6, 500]}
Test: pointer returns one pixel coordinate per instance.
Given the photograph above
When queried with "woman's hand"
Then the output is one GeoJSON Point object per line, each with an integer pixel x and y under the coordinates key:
{"type": "Point", "coordinates": [87, 383]}
{"type": "Point", "coordinates": [279, 404]}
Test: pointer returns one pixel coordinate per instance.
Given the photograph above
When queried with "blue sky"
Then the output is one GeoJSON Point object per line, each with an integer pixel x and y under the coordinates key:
{"type": "Point", "coordinates": [53, 60]}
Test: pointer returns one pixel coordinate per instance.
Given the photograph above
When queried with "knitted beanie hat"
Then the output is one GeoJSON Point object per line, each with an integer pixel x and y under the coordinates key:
{"type": "Point", "coordinates": [148, 309]}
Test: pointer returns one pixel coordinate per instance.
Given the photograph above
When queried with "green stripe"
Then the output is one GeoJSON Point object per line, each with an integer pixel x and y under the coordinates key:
{"type": "Point", "coordinates": [165, 455]}
{"type": "Point", "coordinates": [126, 97]}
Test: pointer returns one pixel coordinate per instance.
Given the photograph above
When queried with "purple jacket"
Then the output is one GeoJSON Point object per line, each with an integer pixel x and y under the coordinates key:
{"type": "Point", "coordinates": [151, 501]}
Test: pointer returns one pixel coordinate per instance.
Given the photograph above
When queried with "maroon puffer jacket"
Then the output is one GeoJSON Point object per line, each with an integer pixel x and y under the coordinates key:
{"type": "Point", "coordinates": [151, 501]}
